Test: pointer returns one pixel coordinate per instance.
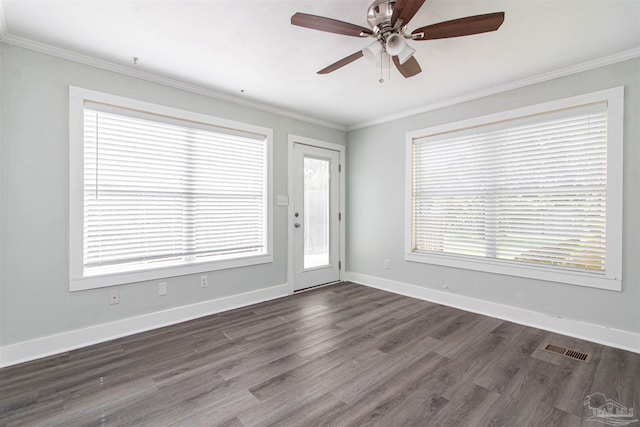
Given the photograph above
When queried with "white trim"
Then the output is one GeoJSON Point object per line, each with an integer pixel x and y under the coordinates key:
{"type": "Point", "coordinates": [600, 334]}
{"type": "Point", "coordinates": [77, 280]}
{"type": "Point", "coordinates": [292, 139]}
{"type": "Point", "coordinates": [539, 78]}
{"type": "Point", "coordinates": [3, 24]}
{"type": "Point", "coordinates": [79, 95]}
{"type": "Point", "coordinates": [79, 283]}
{"type": "Point", "coordinates": [3, 34]}
{"type": "Point", "coordinates": [24, 43]}
{"type": "Point", "coordinates": [290, 217]}
{"type": "Point", "coordinates": [612, 277]}
{"type": "Point", "coordinates": [54, 344]}
{"type": "Point", "coordinates": [157, 78]}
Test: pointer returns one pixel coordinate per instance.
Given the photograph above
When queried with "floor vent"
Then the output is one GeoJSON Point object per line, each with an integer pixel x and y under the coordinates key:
{"type": "Point", "coordinates": [566, 352]}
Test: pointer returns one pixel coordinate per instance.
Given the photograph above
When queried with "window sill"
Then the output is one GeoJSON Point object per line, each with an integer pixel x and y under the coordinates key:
{"type": "Point", "coordinates": [101, 281]}
{"type": "Point", "coordinates": [517, 269]}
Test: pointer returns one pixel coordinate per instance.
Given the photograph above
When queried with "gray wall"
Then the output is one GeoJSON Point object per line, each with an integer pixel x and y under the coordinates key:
{"type": "Point", "coordinates": [34, 193]}
{"type": "Point", "coordinates": [34, 296]}
{"type": "Point", "coordinates": [375, 207]}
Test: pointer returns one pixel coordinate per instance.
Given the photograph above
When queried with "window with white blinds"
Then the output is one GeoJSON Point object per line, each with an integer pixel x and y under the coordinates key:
{"type": "Point", "coordinates": [163, 192]}
{"type": "Point", "coordinates": [528, 193]}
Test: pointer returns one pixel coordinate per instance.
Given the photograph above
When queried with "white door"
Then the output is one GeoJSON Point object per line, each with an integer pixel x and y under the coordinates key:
{"type": "Point", "coordinates": [316, 226]}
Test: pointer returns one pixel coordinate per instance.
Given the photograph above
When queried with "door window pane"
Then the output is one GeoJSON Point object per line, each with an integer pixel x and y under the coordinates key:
{"type": "Point", "coordinates": [316, 212]}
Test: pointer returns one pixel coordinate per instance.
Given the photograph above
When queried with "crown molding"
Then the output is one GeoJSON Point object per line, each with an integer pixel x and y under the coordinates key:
{"type": "Point", "coordinates": [562, 72]}
{"type": "Point", "coordinates": [9, 39]}
{"type": "Point", "coordinates": [153, 77]}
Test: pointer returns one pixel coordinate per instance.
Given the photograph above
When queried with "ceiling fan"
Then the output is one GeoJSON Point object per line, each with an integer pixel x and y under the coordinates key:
{"type": "Point", "coordinates": [388, 20]}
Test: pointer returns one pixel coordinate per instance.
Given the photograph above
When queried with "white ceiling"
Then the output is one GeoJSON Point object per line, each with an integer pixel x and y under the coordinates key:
{"type": "Point", "coordinates": [250, 46]}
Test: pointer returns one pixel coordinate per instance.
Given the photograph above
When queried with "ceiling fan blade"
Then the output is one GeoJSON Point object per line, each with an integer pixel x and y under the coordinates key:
{"type": "Point", "coordinates": [409, 68]}
{"type": "Point", "coordinates": [329, 25]}
{"type": "Point", "coordinates": [460, 27]}
{"type": "Point", "coordinates": [344, 61]}
{"type": "Point", "coordinates": [405, 10]}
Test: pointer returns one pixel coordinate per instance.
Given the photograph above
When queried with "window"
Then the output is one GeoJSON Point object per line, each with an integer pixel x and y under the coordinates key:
{"type": "Point", "coordinates": [534, 192]}
{"type": "Point", "coordinates": [159, 192]}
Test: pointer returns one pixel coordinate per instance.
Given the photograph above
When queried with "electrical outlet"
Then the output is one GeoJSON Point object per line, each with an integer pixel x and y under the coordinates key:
{"type": "Point", "coordinates": [162, 288]}
{"type": "Point", "coordinates": [115, 297]}
{"type": "Point", "coordinates": [204, 282]}
{"type": "Point", "coordinates": [387, 264]}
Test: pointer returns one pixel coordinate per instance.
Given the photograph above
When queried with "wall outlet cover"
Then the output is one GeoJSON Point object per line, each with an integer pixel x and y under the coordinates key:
{"type": "Point", "coordinates": [114, 297]}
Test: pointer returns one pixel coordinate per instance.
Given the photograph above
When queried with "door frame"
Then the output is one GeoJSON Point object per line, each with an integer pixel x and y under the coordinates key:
{"type": "Point", "coordinates": [341, 149]}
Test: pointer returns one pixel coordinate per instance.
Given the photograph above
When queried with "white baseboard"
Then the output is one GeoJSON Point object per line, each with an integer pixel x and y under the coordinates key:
{"type": "Point", "coordinates": [59, 343]}
{"type": "Point", "coordinates": [574, 328]}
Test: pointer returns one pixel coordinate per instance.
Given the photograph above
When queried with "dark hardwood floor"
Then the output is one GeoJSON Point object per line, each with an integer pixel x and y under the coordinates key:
{"type": "Point", "coordinates": [344, 355]}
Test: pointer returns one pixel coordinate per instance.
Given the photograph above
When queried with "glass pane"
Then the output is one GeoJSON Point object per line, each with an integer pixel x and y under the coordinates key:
{"type": "Point", "coordinates": [316, 212]}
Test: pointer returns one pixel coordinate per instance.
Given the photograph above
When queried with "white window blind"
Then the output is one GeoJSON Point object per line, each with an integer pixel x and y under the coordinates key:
{"type": "Point", "coordinates": [162, 192]}
{"type": "Point", "coordinates": [526, 191]}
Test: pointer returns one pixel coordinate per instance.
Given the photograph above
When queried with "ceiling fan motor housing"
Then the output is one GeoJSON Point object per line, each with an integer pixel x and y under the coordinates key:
{"type": "Point", "coordinates": [379, 17]}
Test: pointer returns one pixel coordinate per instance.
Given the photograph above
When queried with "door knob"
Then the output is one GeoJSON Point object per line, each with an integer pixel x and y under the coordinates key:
{"type": "Point", "coordinates": [296, 225]}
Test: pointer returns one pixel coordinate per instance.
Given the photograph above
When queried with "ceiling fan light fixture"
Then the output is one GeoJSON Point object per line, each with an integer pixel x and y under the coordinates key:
{"type": "Point", "coordinates": [372, 52]}
{"type": "Point", "coordinates": [406, 53]}
{"type": "Point", "coordinates": [395, 44]}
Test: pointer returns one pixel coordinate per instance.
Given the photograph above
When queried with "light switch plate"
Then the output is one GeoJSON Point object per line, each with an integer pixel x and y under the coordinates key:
{"type": "Point", "coordinates": [162, 288]}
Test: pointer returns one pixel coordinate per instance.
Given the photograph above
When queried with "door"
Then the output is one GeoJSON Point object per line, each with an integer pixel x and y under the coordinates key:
{"type": "Point", "coordinates": [316, 227]}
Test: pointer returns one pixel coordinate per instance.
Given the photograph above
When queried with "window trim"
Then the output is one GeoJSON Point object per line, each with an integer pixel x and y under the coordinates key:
{"type": "Point", "coordinates": [77, 282]}
{"type": "Point", "coordinates": [612, 278]}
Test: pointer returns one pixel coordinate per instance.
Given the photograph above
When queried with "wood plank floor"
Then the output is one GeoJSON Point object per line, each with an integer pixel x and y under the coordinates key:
{"type": "Point", "coordinates": [344, 355]}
